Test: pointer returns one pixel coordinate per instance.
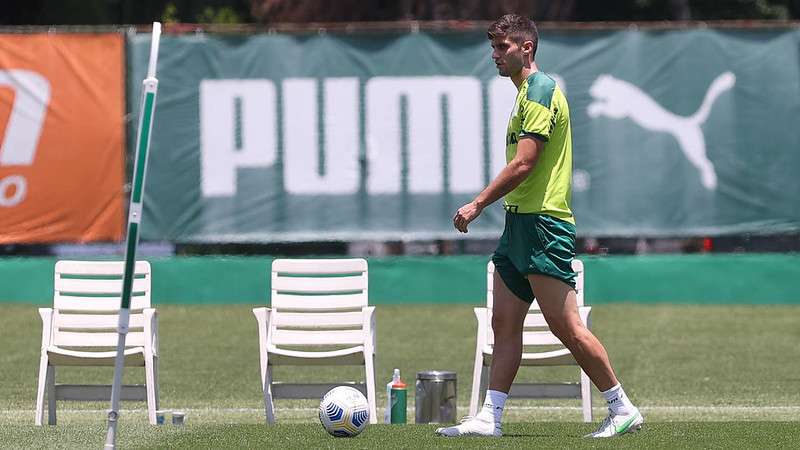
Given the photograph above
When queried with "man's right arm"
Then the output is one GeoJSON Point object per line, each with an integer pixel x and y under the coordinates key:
{"type": "Point", "coordinates": [513, 173]}
{"type": "Point", "coordinates": [511, 176]}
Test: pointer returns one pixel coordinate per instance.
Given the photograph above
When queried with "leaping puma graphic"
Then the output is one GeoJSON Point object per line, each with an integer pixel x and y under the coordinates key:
{"type": "Point", "coordinates": [619, 99]}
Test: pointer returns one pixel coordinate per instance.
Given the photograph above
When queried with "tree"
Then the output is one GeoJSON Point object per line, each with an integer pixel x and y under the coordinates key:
{"type": "Point", "coordinates": [98, 12]}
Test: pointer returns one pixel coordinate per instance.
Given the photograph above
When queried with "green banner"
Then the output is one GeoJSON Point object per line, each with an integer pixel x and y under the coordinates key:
{"type": "Point", "coordinates": [383, 136]}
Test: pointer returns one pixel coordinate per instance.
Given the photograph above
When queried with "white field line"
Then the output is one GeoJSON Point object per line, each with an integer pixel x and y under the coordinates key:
{"type": "Point", "coordinates": [727, 409]}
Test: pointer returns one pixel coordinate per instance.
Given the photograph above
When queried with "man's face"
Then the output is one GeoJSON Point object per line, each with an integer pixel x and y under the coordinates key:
{"type": "Point", "coordinates": [508, 56]}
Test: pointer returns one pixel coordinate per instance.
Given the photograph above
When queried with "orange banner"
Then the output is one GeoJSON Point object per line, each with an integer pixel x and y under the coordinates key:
{"type": "Point", "coordinates": [61, 137]}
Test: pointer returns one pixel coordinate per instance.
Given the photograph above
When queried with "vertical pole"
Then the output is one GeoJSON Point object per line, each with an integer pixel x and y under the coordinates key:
{"type": "Point", "coordinates": [148, 106]}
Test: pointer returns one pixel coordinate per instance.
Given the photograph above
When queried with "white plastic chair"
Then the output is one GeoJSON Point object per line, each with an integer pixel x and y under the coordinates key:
{"type": "Point", "coordinates": [316, 305]}
{"type": "Point", "coordinates": [539, 349]}
{"type": "Point", "coordinates": [81, 330]}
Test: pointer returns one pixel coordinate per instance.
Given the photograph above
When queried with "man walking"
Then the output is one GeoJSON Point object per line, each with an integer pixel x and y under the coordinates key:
{"type": "Point", "coordinates": [533, 258]}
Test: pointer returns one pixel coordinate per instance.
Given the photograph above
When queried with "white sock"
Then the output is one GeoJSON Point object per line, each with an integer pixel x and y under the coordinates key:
{"type": "Point", "coordinates": [617, 401]}
{"type": "Point", "coordinates": [494, 404]}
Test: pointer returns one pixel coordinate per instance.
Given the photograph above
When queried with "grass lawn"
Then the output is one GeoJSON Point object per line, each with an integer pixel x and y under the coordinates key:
{"type": "Point", "coordinates": [722, 435]}
{"type": "Point", "coordinates": [704, 376]}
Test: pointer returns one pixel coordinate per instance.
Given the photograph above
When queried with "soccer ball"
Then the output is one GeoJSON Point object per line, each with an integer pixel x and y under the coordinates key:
{"type": "Point", "coordinates": [344, 411]}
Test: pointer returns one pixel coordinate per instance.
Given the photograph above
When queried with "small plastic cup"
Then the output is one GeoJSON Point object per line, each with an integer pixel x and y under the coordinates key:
{"type": "Point", "coordinates": [178, 418]}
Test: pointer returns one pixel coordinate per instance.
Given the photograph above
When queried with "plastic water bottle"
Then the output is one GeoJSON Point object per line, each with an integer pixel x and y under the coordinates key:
{"type": "Point", "coordinates": [387, 416]}
{"type": "Point", "coordinates": [398, 398]}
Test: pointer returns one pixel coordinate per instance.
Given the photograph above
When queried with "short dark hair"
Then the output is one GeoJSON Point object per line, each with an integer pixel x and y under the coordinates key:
{"type": "Point", "coordinates": [517, 28]}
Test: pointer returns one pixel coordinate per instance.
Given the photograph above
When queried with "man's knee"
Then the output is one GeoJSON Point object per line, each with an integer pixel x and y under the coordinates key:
{"type": "Point", "coordinates": [503, 324]}
{"type": "Point", "coordinates": [570, 333]}
{"type": "Point", "coordinates": [499, 323]}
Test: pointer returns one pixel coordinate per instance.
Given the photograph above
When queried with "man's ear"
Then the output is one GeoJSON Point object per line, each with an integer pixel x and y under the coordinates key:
{"type": "Point", "coordinates": [527, 47]}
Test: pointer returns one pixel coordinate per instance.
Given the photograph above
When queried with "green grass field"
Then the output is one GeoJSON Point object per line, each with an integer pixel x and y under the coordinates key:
{"type": "Point", "coordinates": [704, 377]}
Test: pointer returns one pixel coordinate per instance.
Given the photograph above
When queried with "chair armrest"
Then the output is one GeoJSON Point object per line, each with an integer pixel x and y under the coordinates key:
{"type": "Point", "coordinates": [482, 314]}
{"type": "Point", "coordinates": [586, 315]}
{"type": "Point", "coordinates": [369, 327]}
{"type": "Point", "coordinates": [46, 314]}
{"type": "Point", "coordinates": [263, 316]}
{"type": "Point", "coordinates": [151, 329]}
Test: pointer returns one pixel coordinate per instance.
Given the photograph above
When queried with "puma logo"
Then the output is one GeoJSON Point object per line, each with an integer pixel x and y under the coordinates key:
{"type": "Point", "coordinates": [618, 99]}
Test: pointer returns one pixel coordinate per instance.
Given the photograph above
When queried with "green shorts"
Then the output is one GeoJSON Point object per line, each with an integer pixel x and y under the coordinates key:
{"type": "Point", "coordinates": [534, 244]}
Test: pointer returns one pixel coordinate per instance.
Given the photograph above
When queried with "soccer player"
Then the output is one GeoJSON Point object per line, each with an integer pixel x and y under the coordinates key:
{"type": "Point", "coordinates": [533, 258]}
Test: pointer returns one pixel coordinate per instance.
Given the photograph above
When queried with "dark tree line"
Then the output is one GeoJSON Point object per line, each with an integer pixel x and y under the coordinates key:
{"type": "Point", "coordinates": [266, 11]}
{"type": "Point", "coordinates": [96, 12]}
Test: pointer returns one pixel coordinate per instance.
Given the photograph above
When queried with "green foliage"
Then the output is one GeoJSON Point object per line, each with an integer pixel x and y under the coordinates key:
{"type": "Point", "coordinates": [170, 14]}
{"type": "Point", "coordinates": [221, 15]}
{"type": "Point", "coordinates": [741, 9]}
{"type": "Point", "coordinates": [644, 10]}
{"type": "Point", "coordinates": [98, 12]}
{"type": "Point", "coordinates": [209, 14]}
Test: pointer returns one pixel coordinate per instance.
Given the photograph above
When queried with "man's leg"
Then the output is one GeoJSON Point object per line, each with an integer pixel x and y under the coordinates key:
{"type": "Point", "coordinates": [558, 303]}
{"type": "Point", "coordinates": [508, 318]}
